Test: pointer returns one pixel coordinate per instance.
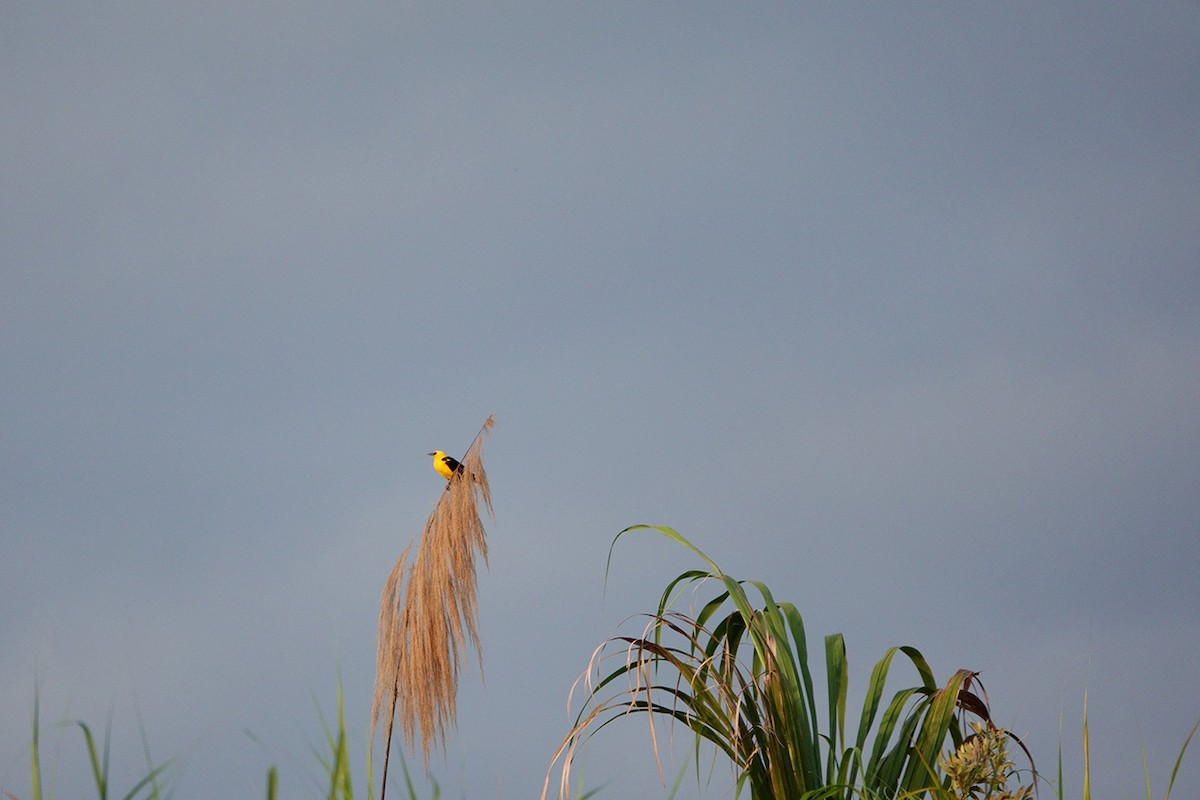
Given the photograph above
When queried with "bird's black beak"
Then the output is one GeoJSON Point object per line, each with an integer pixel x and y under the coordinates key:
{"type": "Point", "coordinates": [430, 454]}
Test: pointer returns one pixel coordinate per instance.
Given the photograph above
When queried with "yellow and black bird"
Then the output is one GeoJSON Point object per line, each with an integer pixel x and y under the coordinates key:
{"type": "Point", "coordinates": [445, 465]}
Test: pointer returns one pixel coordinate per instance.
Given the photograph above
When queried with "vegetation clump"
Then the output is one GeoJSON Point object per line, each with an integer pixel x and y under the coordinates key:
{"type": "Point", "coordinates": [736, 673]}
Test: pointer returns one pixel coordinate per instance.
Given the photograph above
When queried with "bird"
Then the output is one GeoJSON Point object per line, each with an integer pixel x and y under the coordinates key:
{"type": "Point", "coordinates": [446, 466]}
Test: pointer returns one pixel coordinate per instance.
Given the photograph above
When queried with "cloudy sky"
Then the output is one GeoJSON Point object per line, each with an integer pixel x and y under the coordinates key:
{"type": "Point", "coordinates": [896, 308]}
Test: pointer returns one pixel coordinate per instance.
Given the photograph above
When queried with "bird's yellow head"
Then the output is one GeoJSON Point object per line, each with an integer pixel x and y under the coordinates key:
{"type": "Point", "coordinates": [438, 455]}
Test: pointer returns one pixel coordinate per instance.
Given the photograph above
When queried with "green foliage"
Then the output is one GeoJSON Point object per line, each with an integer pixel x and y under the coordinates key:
{"type": "Point", "coordinates": [337, 763]}
{"type": "Point", "coordinates": [411, 789]}
{"type": "Point", "coordinates": [1086, 793]}
{"type": "Point", "coordinates": [737, 675]}
{"type": "Point", "coordinates": [147, 787]}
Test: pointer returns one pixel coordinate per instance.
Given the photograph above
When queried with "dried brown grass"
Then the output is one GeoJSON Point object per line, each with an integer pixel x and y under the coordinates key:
{"type": "Point", "coordinates": [428, 613]}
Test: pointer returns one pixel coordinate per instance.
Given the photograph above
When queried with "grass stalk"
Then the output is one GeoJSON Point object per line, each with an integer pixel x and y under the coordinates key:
{"type": "Point", "coordinates": [35, 762]}
{"type": "Point", "coordinates": [1178, 761]}
{"type": "Point", "coordinates": [1087, 755]}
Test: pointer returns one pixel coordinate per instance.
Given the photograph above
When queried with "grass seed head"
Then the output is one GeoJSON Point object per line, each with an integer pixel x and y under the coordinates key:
{"type": "Point", "coordinates": [429, 612]}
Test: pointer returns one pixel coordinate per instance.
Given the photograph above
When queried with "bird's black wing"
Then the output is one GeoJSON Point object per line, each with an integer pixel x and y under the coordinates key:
{"type": "Point", "coordinates": [452, 463]}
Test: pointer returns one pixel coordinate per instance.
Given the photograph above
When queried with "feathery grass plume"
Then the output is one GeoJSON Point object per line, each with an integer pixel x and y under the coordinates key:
{"type": "Point", "coordinates": [428, 613]}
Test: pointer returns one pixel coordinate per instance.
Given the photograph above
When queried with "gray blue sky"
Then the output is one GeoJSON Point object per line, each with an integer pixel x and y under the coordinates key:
{"type": "Point", "coordinates": [896, 308]}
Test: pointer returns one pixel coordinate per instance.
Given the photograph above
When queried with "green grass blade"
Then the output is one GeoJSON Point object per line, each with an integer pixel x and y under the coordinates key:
{"type": "Point", "coordinates": [408, 781]}
{"type": "Point", "coordinates": [107, 743]}
{"type": "Point", "coordinates": [874, 696]}
{"type": "Point", "coordinates": [1087, 767]}
{"type": "Point", "coordinates": [155, 789]}
{"type": "Point", "coordinates": [671, 534]}
{"type": "Point", "coordinates": [338, 766]}
{"type": "Point", "coordinates": [935, 727]}
{"type": "Point", "coordinates": [918, 661]}
{"type": "Point", "coordinates": [370, 753]}
{"type": "Point", "coordinates": [1179, 760]}
{"type": "Point", "coordinates": [884, 766]}
{"type": "Point", "coordinates": [838, 685]}
{"type": "Point", "coordinates": [1060, 771]}
{"type": "Point", "coordinates": [794, 689]}
{"type": "Point", "coordinates": [150, 779]}
{"type": "Point", "coordinates": [875, 686]}
{"type": "Point", "coordinates": [795, 625]}
{"type": "Point", "coordinates": [35, 763]}
{"type": "Point", "coordinates": [97, 770]}
{"type": "Point", "coordinates": [1146, 775]}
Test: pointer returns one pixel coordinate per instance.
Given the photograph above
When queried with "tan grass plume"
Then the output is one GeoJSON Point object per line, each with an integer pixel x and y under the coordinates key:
{"type": "Point", "coordinates": [428, 613]}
